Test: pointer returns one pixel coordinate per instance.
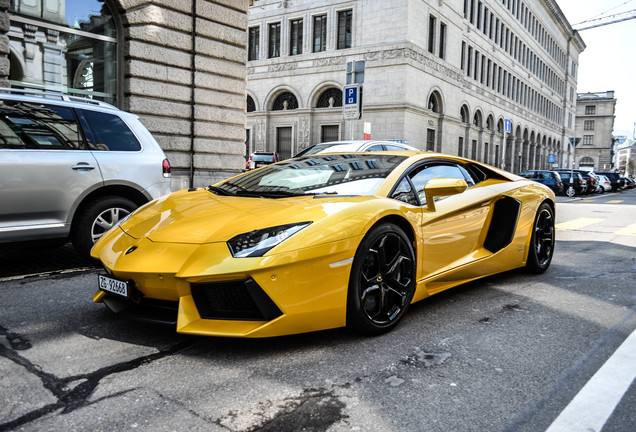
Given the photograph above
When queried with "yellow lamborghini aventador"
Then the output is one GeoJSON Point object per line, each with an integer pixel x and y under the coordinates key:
{"type": "Point", "coordinates": [322, 241]}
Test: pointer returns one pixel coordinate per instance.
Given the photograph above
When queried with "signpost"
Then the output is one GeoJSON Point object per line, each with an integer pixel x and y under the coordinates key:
{"type": "Point", "coordinates": [574, 142]}
{"type": "Point", "coordinates": [351, 102]}
{"type": "Point", "coordinates": [352, 92]}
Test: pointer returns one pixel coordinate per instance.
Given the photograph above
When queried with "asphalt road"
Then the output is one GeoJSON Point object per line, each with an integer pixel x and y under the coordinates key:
{"type": "Point", "coordinates": [507, 353]}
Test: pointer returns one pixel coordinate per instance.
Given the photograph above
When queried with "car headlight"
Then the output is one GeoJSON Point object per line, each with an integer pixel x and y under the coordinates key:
{"type": "Point", "coordinates": [257, 243]}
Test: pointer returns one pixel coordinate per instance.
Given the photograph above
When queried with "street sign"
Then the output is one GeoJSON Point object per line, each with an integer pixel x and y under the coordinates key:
{"type": "Point", "coordinates": [551, 158]}
{"type": "Point", "coordinates": [351, 103]}
{"type": "Point", "coordinates": [574, 141]}
{"type": "Point", "coordinates": [507, 125]}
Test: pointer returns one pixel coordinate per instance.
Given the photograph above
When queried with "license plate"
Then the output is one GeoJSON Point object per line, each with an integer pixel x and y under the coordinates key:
{"type": "Point", "coordinates": [113, 285]}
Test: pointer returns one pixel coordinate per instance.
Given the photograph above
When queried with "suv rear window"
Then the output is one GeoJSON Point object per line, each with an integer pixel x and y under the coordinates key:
{"type": "Point", "coordinates": [26, 125]}
{"type": "Point", "coordinates": [108, 132]}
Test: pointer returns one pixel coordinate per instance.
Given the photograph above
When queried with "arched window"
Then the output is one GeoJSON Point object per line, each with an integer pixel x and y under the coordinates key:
{"type": "Point", "coordinates": [285, 101]}
{"type": "Point", "coordinates": [464, 114]}
{"type": "Point", "coordinates": [78, 40]}
{"type": "Point", "coordinates": [332, 97]}
{"type": "Point", "coordinates": [251, 106]}
{"type": "Point", "coordinates": [586, 162]}
{"type": "Point", "coordinates": [435, 103]}
{"type": "Point", "coordinates": [477, 121]}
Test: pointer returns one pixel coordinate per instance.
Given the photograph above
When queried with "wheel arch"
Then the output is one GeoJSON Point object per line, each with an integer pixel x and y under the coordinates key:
{"type": "Point", "coordinates": [402, 223]}
{"type": "Point", "coordinates": [113, 190]}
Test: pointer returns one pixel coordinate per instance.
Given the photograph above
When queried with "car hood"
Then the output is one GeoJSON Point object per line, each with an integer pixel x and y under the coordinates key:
{"type": "Point", "coordinates": [200, 216]}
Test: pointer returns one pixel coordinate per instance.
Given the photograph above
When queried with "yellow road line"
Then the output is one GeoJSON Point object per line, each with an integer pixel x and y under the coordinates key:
{"type": "Point", "coordinates": [630, 230]}
{"type": "Point", "coordinates": [577, 223]}
{"type": "Point", "coordinates": [613, 202]}
{"type": "Point", "coordinates": [588, 200]}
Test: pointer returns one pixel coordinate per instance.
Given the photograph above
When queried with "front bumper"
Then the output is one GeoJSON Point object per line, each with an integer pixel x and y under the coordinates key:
{"type": "Point", "coordinates": [213, 293]}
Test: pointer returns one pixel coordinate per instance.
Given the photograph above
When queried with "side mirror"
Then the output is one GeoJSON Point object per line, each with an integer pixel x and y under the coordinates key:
{"type": "Point", "coordinates": [439, 187]}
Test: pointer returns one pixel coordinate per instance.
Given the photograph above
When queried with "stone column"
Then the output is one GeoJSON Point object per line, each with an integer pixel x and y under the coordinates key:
{"type": "Point", "coordinates": [4, 43]}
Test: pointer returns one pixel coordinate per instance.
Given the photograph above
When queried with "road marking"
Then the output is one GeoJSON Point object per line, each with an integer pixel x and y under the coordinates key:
{"type": "Point", "coordinates": [577, 223]}
{"type": "Point", "coordinates": [595, 403]}
{"type": "Point", "coordinates": [613, 202]}
{"type": "Point", "coordinates": [629, 230]}
{"type": "Point", "coordinates": [588, 200]}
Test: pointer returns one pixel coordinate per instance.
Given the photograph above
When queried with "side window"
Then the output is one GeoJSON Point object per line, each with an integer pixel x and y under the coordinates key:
{"type": "Point", "coordinates": [38, 126]}
{"type": "Point", "coordinates": [404, 192]}
{"type": "Point", "coordinates": [393, 147]}
{"type": "Point", "coordinates": [377, 147]}
{"type": "Point", "coordinates": [420, 178]}
{"type": "Point", "coordinates": [108, 132]}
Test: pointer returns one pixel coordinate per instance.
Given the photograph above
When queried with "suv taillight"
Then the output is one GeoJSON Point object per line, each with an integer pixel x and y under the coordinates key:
{"type": "Point", "coordinates": [166, 168]}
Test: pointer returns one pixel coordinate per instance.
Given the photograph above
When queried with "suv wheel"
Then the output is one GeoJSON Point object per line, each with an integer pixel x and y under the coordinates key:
{"type": "Point", "coordinates": [96, 218]}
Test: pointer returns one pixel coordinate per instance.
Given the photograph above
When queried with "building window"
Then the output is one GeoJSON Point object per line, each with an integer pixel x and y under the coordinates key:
{"type": "Point", "coordinates": [344, 29]}
{"type": "Point", "coordinates": [329, 133]}
{"type": "Point", "coordinates": [460, 147]}
{"type": "Point", "coordinates": [430, 139]}
{"type": "Point", "coordinates": [588, 125]}
{"type": "Point", "coordinates": [284, 142]}
{"type": "Point", "coordinates": [442, 40]}
{"type": "Point", "coordinates": [432, 24]}
{"type": "Point", "coordinates": [285, 101]}
{"type": "Point", "coordinates": [296, 37]}
{"type": "Point", "coordinates": [590, 109]}
{"type": "Point", "coordinates": [588, 139]}
{"type": "Point", "coordinates": [76, 46]}
{"type": "Point", "coordinates": [254, 37]}
{"type": "Point", "coordinates": [250, 105]}
{"type": "Point", "coordinates": [332, 97]}
{"type": "Point", "coordinates": [274, 40]}
{"type": "Point", "coordinates": [320, 33]}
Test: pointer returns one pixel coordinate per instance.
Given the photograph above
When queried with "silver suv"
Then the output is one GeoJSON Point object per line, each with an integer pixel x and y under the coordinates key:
{"type": "Point", "coordinates": [72, 168]}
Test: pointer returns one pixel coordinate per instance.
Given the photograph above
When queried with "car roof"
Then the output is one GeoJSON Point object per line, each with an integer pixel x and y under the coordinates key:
{"type": "Point", "coordinates": [57, 98]}
{"type": "Point", "coordinates": [356, 145]}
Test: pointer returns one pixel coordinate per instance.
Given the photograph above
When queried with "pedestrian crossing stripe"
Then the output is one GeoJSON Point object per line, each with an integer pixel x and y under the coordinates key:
{"type": "Point", "coordinates": [577, 223]}
{"type": "Point", "coordinates": [630, 230]}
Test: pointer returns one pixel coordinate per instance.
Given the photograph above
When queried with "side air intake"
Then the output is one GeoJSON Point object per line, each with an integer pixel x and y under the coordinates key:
{"type": "Point", "coordinates": [502, 225]}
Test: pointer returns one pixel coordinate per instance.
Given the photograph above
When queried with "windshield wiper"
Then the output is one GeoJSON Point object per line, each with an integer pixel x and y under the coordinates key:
{"type": "Point", "coordinates": [219, 191]}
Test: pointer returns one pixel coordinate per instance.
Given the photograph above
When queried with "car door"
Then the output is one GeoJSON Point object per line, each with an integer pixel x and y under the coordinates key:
{"type": "Point", "coordinates": [44, 170]}
{"type": "Point", "coordinates": [451, 234]}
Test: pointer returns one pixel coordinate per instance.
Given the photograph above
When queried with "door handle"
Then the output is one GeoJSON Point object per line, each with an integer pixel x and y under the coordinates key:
{"type": "Point", "coordinates": [83, 166]}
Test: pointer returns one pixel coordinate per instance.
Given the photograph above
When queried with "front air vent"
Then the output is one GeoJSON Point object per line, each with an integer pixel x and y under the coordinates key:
{"type": "Point", "coordinates": [234, 300]}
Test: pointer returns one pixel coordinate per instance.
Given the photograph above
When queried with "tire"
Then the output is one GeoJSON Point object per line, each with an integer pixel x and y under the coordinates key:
{"type": "Point", "coordinates": [542, 241]}
{"type": "Point", "coordinates": [96, 218]}
{"type": "Point", "coordinates": [382, 280]}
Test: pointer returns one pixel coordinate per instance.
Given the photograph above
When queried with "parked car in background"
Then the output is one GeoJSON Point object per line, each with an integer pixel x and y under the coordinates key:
{"type": "Point", "coordinates": [603, 183]}
{"type": "Point", "coordinates": [628, 182]}
{"type": "Point", "coordinates": [72, 168]}
{"type": "Point", "coordinates": [355, 146]}
{"type": "Point", "coordinates": [615, 179]}
{"type": "Point", "coordinates": [579, 184]}
{"type": "Point", "coordinates": [588, 176]}
{"type": "Point", "coordinates": [259, 159]}
{"type": "Point", "coordinates": [552, 179]}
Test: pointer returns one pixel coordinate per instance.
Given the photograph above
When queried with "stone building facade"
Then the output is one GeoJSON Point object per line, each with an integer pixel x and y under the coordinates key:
{"type": "Point", "coordinates": [447, 75]}
{"type": "Point", "coordinates": [179, 65]}
{"type": "Point", "coordinates": [594, 126]}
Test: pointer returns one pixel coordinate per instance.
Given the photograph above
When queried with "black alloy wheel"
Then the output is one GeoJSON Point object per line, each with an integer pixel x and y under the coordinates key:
{"type": "Point", "coordinates": [542, 242]}
{"type": "Point", "coordinates": [382, 280]}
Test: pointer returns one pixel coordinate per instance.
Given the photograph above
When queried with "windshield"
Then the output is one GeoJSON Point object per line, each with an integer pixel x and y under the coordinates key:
{"type": "Point", "coordinates": [263, 158]}
{"type": "Point", "coordinates": [347, 174]}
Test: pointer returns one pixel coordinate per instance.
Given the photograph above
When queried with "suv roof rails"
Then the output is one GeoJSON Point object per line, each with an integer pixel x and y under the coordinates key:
{"type": "Point", "coordinates": [54, 94]}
